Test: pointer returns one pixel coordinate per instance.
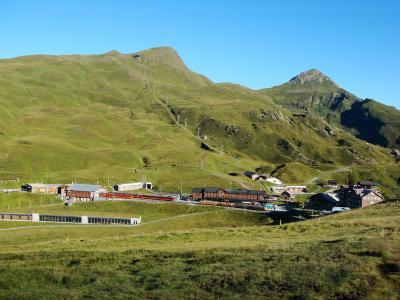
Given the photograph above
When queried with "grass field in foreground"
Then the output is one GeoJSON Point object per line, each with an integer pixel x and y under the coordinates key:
{"type": "Point", "coordinates": [211, 254]}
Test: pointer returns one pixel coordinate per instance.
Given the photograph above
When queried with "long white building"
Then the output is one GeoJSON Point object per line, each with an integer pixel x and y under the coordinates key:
{"type": "Point", "coordinates": [123, 187]}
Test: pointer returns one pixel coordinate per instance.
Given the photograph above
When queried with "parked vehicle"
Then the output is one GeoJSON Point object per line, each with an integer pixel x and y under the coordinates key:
{"type": "Point", "coordinates": [274, 207]}
{"type": "Point", "coordinates": [340, 209]}
{"type": "Point", "coordinates": [325, 212]}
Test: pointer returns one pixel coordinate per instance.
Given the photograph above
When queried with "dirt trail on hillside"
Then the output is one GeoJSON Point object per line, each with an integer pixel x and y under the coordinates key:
{"type": "Point", "coordinates": [202, 160]}
{"type": "Point", "coordinates": [220, 175]}
{"type": "Point", "coordinates": [338, 170]}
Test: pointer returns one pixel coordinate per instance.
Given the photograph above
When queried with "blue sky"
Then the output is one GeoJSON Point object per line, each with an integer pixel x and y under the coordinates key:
{"type": "Point", "coordinates": [255, 43]}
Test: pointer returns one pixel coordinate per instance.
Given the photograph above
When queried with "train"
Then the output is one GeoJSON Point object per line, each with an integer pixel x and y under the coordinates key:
{"type": "Point", "coordinates": [125, 196]}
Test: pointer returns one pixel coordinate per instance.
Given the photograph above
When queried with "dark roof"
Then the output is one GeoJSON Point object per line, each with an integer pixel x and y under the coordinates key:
{"type": "Point", "coordinates": [250, 173]}
{"type": "Point", "coordinates": [229, 191]}
{"type": "Point", "coordinates": [244, 191]}
{"type": "Point", "coordinates": [330, 198]}
{"type": "Point", "coordinates": [209, 190]}
{"type": "Point", "coordinates": [84, 187]}
{"type": "Point", "coordinates": [366, 182]}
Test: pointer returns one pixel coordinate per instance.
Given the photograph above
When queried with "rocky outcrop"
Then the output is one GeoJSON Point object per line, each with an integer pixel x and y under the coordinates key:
{"type": "Point", "coordinates": [273, 115]}
{"type": "Point", "coordinates": [311, 76]}
{"type": "Point", "coordinates": [232, 129]}
{"type": "Point", "coordinates": [206, 147]}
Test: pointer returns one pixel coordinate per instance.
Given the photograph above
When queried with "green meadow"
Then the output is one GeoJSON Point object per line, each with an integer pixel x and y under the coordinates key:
{"type": "Point", "coordinates": [180, 252]}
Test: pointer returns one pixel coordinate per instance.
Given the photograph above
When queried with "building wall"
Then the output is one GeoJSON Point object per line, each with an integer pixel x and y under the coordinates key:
{"type": "Point", "coordinates": [197, 196]}
{"type": "Point", "coordinates": [295, 190]}
{"type": "Point", "coordinates": [15, 217]}
{"type": "Point", "coordinates": [79, 196]}
{"type": "Point", "coordinates": [278, 189]}
{"type": "Point", "coordinates": [371, 199]}
{"type": "Point", "coordinates": [44, 190]}
{"type": "Point", "coordinates": [351, 199]}
{"type": "Point", "coordinates": [222, 195]}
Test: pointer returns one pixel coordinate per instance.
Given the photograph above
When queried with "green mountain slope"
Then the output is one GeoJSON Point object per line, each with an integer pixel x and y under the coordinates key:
{"type": "Point", "coordinates": [312, 91]}
{"type": "Point", "coordinates": [117, 117]}
{"type": "Point", "coordinates": [374, 122]}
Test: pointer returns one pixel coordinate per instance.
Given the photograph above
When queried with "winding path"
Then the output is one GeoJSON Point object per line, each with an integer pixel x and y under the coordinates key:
{"type": "Point", "coordinates": [338, 170]}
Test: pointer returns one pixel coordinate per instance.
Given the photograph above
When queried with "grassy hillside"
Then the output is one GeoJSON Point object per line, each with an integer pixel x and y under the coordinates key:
{"type": "Point", "coordinates": [314, 92]}
{"type": "Point", "coordinates": [374, 122]}
{"type": "Point", "coordinates": [211, 254]}
{"type": "Point", "coordinates": [112, 117]}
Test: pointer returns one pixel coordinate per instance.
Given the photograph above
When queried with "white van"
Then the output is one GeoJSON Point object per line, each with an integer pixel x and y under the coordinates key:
{"type": "Point", "coordinates": [340, 209]}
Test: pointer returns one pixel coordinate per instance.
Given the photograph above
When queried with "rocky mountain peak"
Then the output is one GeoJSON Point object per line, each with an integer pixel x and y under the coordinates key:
{"type": "Point", "coordinates": [163, 55]}
{"type": "Point", "coordinates": [112, 53]}
{"type": "Point", "coordinates": [311, 76]}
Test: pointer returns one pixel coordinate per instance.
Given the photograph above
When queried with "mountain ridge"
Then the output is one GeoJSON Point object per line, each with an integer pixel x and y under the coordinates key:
{"type": "Point", "coordinates": [72, 116]}
{"type": "Point", "coordinates": [322, 96]}
{"type": "Point", "coordinates": [312, 76]}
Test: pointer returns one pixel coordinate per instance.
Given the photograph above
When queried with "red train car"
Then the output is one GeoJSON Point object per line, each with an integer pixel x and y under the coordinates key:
{"type": "Point", "coordinates": [116, 195]}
